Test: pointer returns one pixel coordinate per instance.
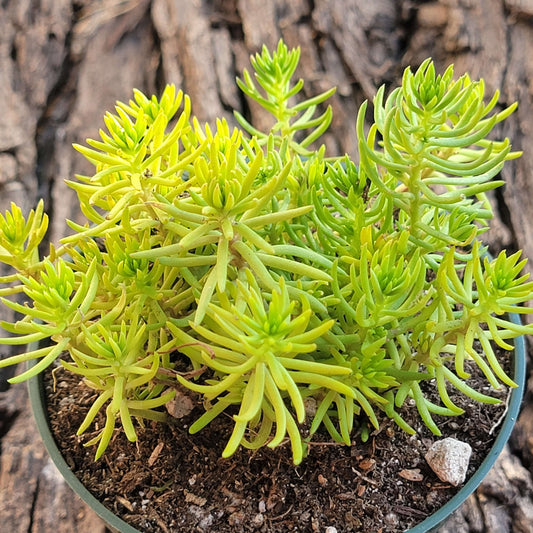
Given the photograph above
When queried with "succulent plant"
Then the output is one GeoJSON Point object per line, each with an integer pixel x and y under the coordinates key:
{"type": "Point", "coordinates": [303, 291]}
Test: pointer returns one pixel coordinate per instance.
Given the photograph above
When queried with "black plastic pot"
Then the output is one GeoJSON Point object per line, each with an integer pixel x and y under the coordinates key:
{"type": "Point", "coordinates": [38, 404]}
{"type": "Point", "coordinates": [37, 397]}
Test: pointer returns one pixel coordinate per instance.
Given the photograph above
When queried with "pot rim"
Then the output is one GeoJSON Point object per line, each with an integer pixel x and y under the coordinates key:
{"type": "Point", "coordinates": [38, 404]}
{"type": "Point", "coordinates": [37, 399]}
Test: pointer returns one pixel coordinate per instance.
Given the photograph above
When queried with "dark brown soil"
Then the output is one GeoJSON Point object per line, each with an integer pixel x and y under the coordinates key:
{"type": "Point", "coordinates": [170, 481]}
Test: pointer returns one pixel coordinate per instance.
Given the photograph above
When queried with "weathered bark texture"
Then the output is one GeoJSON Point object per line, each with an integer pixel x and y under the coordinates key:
{"type": "Point", "coordinates": [63, 62]}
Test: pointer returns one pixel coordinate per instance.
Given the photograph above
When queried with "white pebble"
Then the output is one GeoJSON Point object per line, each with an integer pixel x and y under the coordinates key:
{"type": "Point", "coordinates": [449, 459]}
{"type": "Point", "coordinates": [331, 529]}
{"type": "Point", "coordinates": [257, 520]}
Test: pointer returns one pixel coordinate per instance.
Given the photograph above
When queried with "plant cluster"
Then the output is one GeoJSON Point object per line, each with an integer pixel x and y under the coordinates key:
{"type": "Point", "coordinates": [304, 291]}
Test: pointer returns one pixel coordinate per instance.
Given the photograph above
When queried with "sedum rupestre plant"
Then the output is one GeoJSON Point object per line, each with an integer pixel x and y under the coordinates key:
{"type": "Point", "coordinates": [302, 291]}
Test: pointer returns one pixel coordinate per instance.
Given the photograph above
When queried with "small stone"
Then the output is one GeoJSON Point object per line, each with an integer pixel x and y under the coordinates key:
{"type": "Point", "coordinates": [432, 497]}
{"type": "Point", "coordinates": [257, 520]}
{"type": "Point", "coordinates": [391, 520]}
{"type": "Point", "coordinates": [449, 459]}
{"type": "Point", "coordinates": [180, 406]}
{"type": "Point", "coordinates": [206, 522]}
{"type": "Point", "coordinates": [310, 406]}
{"type": "Point", "coordinates": [331, 529]}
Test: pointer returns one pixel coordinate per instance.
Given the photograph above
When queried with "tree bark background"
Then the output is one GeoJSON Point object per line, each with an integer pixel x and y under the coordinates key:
{"type": "Point", "coordinates": [64, 62]}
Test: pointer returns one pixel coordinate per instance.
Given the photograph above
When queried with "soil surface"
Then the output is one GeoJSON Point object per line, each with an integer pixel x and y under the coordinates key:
{"type": "Point", "coordinates": [171, 481]}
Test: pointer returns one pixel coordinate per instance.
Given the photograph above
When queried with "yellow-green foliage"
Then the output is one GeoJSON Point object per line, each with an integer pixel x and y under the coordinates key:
{"type": "Point", "coordinates": [285, 278]}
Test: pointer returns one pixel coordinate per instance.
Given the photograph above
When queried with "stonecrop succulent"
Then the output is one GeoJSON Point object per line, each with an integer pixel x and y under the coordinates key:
{"type": "Point", "coordinates": [303, 291]}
